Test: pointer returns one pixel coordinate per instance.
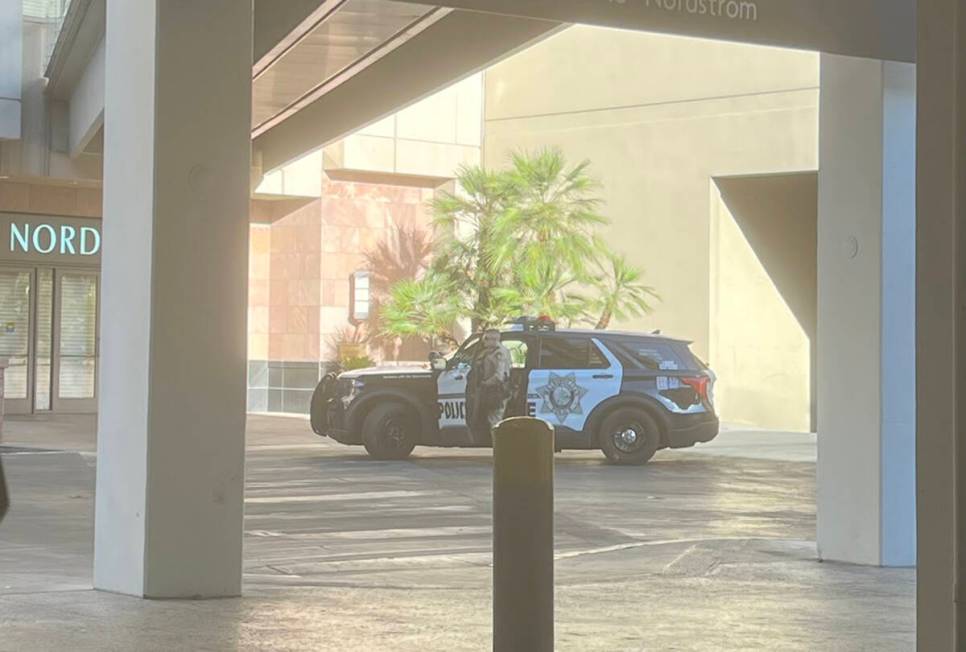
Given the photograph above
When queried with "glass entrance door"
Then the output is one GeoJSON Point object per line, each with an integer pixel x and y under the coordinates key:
{"type": "Point", "coordinates": [16, 322]}
{"type": "Point", "coordinates": [49, 337]}
{"type": "Point", "coordinates": [74, 360]}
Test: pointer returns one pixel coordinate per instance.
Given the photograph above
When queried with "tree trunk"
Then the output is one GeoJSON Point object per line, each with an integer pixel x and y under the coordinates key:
{"type": "Point", "coordinates": [482, 305]}
{"type": "Point", "coordinates": [604, 320]}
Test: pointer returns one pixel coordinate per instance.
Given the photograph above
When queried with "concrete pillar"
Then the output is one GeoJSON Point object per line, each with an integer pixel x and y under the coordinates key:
{"type": "Point", "coordinates": [11, 67]}
{"type": "Point", "coordinates": [941, 328]}
{"type": "Point", "coordinates": [866, 312]}
{"type": "Point", "coordinates": [170, 467]}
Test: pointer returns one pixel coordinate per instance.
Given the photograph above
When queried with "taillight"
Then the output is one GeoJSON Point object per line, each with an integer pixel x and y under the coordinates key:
{"type": "Point", "coordinates": [700, 386]}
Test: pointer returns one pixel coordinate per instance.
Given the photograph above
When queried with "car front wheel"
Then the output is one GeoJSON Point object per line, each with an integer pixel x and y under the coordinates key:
{"type": "Point", "coordinates": [389, 432]}
{"type": "Point", "coordinates": [629, 437]}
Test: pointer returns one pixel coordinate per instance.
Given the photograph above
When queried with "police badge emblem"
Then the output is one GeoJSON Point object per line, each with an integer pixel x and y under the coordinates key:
{"type": "Point", "coordinates": [561, 396]}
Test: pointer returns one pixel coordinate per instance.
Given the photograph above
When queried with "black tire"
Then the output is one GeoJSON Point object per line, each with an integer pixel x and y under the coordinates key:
{"type": "Point", "coordinates": [629, 437]}
{"type": "Point", "coordinates": [389, 431]}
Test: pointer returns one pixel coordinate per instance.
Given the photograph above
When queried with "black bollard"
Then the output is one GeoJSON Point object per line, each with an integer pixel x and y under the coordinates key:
{"type": "Point", "coordinates": [4, 499]}
{"type": "Point", "coordinates": [523, 536]}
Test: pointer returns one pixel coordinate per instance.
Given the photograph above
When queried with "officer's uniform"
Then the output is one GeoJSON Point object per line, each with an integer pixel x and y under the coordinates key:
{"type": "Point", "coordinates": [487, 391]}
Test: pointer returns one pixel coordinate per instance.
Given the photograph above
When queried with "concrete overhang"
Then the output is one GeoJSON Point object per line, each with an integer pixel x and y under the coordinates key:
{"type": "Point", "coordinates": [83, 29]}
{"type": "Point", "coordinates": [78, 39]}
{"type": "Point", "coordinates": [321, 70]}
{"type": "Point", "coordinates": [324, 68]}
{"type": "Point", "coordinates": [454, 46]}
{"type": "Point", "coordinates": [337, 40]}
{"type": "Point", "coordinates": [279, 24]}
{"type": "Point", "coordinates": [75, 74]}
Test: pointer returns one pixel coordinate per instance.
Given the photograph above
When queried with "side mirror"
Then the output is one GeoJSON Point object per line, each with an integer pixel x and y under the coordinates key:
{"type": "Point", "coordinates": [437, 361]}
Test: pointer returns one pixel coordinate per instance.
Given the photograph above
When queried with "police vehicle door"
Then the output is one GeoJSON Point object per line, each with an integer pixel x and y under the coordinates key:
{"type": "Point", "coordinates": [572, 376]}
{"type": "Point", "coordinates": [451, 384]}
{"type": "Point", "coordinates": [451, 389]}
{"type": "Point", "coordinates": [520, 364]}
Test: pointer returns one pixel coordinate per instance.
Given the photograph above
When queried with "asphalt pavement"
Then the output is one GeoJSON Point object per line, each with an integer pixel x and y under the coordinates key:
{"type": "Point", "coordinates": [709, 548]}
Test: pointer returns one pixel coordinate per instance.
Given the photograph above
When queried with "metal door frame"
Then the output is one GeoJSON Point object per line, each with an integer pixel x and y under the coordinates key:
{"type": "Point", "coordinates": [72, 405]}
{"type": "Point", "coordinates": [26, 405]}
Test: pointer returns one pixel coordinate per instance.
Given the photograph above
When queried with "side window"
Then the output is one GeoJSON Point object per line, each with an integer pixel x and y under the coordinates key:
{"type": "Point", "coordinates": [518, 353]}
{"type": "Point", "coordinates": [654, 356]}
{"type": "Point", "coordinates": [570, 353]}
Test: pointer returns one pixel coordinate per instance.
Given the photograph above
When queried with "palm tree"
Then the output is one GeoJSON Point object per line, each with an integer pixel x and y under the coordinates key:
{"type": "Point", "coordinates": [554, 216]}
{"type": "Point", "coordinates": [545, 289]}
{"type": "Point", "coordinates": [622, 294]}
{"type": "Point", "coordinates": [426, 308]}
{"type": "Point", "coordinates": [404, 254]}
{"type": "Point", "coordinates": [467, 239]}
{"type": "Point", "coordinates": [518, 242]}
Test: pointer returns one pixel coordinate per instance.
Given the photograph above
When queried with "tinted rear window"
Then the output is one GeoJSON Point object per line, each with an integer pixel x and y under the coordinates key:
{"type": "Point", "coordinates": [654, 355]}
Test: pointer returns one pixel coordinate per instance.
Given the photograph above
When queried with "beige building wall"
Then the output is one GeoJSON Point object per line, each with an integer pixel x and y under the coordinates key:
{"type": "Point", "coordinates": [320, 215]}
{"type": "Point", "coordinates": [259, 277]}
{"type": "Point", "coordinates": [763, 298]}
{"type": "Point", "coordinates": [45, 196]}
{"type": "Point", "coordinates": [660, 117]}
{"type": "Point", "coordinates": [431, 138]}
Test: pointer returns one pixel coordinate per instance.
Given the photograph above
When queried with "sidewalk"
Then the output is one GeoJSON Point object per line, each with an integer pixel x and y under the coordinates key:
{"type": "Point", "coordinates": [759, 444]}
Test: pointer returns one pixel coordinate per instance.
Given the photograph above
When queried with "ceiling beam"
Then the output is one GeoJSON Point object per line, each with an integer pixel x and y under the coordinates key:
{"type": "Point", "coordinates": [458, 45]}
{"type": "Point", "coordinates": [281, 25]}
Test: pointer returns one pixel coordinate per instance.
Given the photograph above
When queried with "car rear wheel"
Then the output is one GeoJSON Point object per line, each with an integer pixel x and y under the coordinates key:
{"type": "Point", "coordinates": [389, 432]}
{"type": "Point", "coordinates": [629, 437]}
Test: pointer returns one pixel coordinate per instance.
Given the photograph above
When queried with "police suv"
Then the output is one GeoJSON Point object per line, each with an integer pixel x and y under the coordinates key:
{"type": "Point", "coordinates": [627, 394]}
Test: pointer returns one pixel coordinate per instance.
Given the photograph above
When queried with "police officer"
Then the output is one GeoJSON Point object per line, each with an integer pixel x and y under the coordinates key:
{"type": "Point", "coordinates": [487, 386]}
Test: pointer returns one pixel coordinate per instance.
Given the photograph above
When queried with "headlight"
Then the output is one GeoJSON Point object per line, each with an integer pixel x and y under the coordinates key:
{"type": "Point", "coordinates": [348, 388]}
{"type": "Point", "coordinates": [352, 388]}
